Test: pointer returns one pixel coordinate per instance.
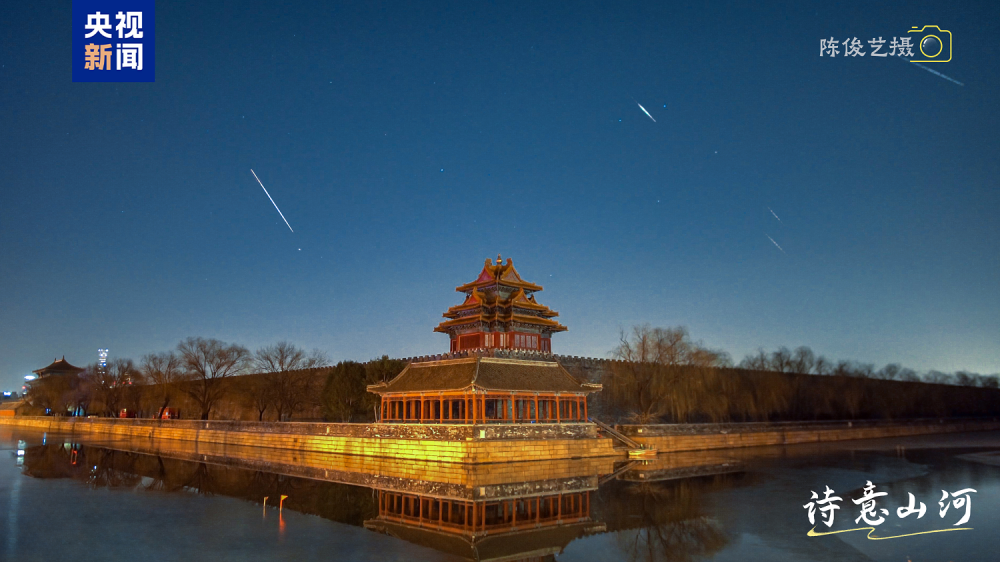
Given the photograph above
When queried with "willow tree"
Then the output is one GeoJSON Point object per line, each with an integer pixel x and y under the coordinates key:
{"type": "Point", "coordinates": [660, 371]}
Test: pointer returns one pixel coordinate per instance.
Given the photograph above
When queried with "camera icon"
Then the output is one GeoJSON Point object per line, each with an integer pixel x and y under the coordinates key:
{"type": "Point", "coordinates": [935, 45]}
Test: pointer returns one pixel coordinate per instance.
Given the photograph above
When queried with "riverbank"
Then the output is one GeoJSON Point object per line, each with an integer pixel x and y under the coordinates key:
{"type": "Point", "coordinates": [483, 444]}
{"type": "Point", "coordinates": [452, 443]}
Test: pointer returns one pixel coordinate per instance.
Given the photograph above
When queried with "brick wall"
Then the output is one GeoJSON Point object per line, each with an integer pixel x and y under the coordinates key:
{"type": "Point", "coordinates": [443, 443]}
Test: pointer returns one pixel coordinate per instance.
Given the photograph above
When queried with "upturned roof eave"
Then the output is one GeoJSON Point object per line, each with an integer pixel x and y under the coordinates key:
{"type": "Point", "coordinates": [473, 285]}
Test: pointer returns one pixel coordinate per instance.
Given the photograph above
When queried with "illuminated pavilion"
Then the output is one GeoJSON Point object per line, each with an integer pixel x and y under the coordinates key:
{"type": "Point", "coordinates": [484, 390]}
{"type": "Point", "coordinates": [499, 313]}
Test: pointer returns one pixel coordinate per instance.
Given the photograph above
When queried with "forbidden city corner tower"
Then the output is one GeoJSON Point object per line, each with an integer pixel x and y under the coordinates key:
{"type": "Point", "coordinates": [500, 312]}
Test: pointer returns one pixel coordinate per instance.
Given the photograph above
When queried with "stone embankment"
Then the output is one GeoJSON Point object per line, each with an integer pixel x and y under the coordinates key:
{"type": "Point", "coordinates": [469, 444]}
{"type": "Point", "coordinates": [493, 443]}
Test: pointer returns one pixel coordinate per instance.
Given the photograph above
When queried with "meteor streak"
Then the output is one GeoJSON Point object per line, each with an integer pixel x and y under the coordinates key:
{"type": "Point", "coordinates": [775, 243]}
{"type": "Point", "coordinates": [644, 110]}
{"type": "Point", "coordinates": [775, 216]}
{"type": "Point", "coordinates": [272, 200]}
{"type": "Point", "coordinates": [932, 71]}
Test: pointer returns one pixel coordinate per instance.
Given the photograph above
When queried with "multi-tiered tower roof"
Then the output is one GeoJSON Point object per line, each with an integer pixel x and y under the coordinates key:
{"type": "Point", "coordinates": [500, 312]}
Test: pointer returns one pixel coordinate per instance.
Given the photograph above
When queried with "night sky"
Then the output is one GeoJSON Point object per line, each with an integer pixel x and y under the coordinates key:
{"type": "Point", "coordinates": [407, 142]}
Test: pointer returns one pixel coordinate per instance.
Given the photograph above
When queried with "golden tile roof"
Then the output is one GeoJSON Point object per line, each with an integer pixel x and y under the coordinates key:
{"type": "Point", "coordinates": [482, 295]}
{"type": "Point", "coordinates": [498, 274]}
{"type": "Point", "coordinates": [484, 374]}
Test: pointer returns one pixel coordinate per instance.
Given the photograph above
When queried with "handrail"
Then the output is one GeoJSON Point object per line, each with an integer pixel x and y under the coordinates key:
{"type": "Point", "coordinates": [624, 468]}
{"type": "Point", "coordinates": [631, 444]}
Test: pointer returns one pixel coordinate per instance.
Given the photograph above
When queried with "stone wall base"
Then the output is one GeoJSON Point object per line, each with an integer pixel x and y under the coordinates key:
{"type": "Point", "coordinates": [484, 444]}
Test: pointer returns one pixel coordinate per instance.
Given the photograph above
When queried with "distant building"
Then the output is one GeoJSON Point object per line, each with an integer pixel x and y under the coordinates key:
{"type": "Point", "coordinates": [8, 409]}
{"type": "Point", "coordinates": [500, 312]}
{"type": "Point", "coordinates": [58, 367]}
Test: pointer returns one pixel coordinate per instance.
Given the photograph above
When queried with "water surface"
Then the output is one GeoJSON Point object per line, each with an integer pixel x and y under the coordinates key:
{"type": "Point", "coordinates": [80, 498]}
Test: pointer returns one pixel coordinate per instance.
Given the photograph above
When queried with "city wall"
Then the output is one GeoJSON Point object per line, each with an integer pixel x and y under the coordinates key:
{"type": "Point", "coordinates": [701, 437]}
{"type": "Point", "coordinates": [469, 444]}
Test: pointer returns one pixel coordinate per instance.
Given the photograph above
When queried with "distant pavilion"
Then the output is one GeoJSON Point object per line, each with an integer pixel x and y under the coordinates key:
{"type": "Point", "coordinates": [58, 367]}
{"type": "Point", "coordinates": [499, 313]}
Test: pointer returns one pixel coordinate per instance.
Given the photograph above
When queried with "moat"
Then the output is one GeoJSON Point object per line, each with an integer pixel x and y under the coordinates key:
{"type": "Point", "coordinates": [99, 499]}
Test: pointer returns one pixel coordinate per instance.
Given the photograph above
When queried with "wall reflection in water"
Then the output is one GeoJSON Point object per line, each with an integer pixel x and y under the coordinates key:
{"type": "Point", "coordinates": [526, 511]}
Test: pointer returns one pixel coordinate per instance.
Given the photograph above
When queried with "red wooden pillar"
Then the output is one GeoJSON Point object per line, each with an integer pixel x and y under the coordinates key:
{"type": "Point", "coordinates": [558, 412]}
{"type": "Point", "coordinates": [537, 417]}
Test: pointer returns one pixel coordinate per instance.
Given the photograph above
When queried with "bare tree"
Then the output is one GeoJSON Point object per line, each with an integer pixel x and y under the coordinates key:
{"type": "Point", "coordinates": [938, 377]}
{"type": "Point", "coordinates": [206, 364]}
{"type": "Point", "coordinates": [288, 374]}
{"type": "Point", "coordinates": [116, 385]}
{"type": "Point", "coordinates": [660, 371]}
{"type": "Point", "coordinates": [803, 360]}
{"type": "Point", "coordinates": [822, 366]}
{"type": "Point", "coordinates": [965, 378]}
{"type": "Point", "coordinates": [256, 393]}
{"type": "Point", "coordinates": [781, 360]}
{"type": "Point", "coordinates": [758, 362]}
{"type": "Point", "coordinates": [890, 372]}
{"type": "Point", "coordinates": [162, 372]}
{"type": "Point", "coordinates": [54, 394]}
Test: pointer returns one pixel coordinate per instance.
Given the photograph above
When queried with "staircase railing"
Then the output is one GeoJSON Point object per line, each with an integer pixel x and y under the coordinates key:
{"type": "Point", "coordinates": [616, 435]}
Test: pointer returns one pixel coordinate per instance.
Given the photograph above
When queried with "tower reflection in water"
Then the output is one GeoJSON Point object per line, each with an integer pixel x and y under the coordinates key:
{"type": "Point", "coordinates": [532, 527]}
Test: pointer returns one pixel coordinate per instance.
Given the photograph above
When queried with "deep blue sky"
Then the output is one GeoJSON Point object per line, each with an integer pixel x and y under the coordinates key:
{"type": "Point", "coordinates": [407, 142]}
